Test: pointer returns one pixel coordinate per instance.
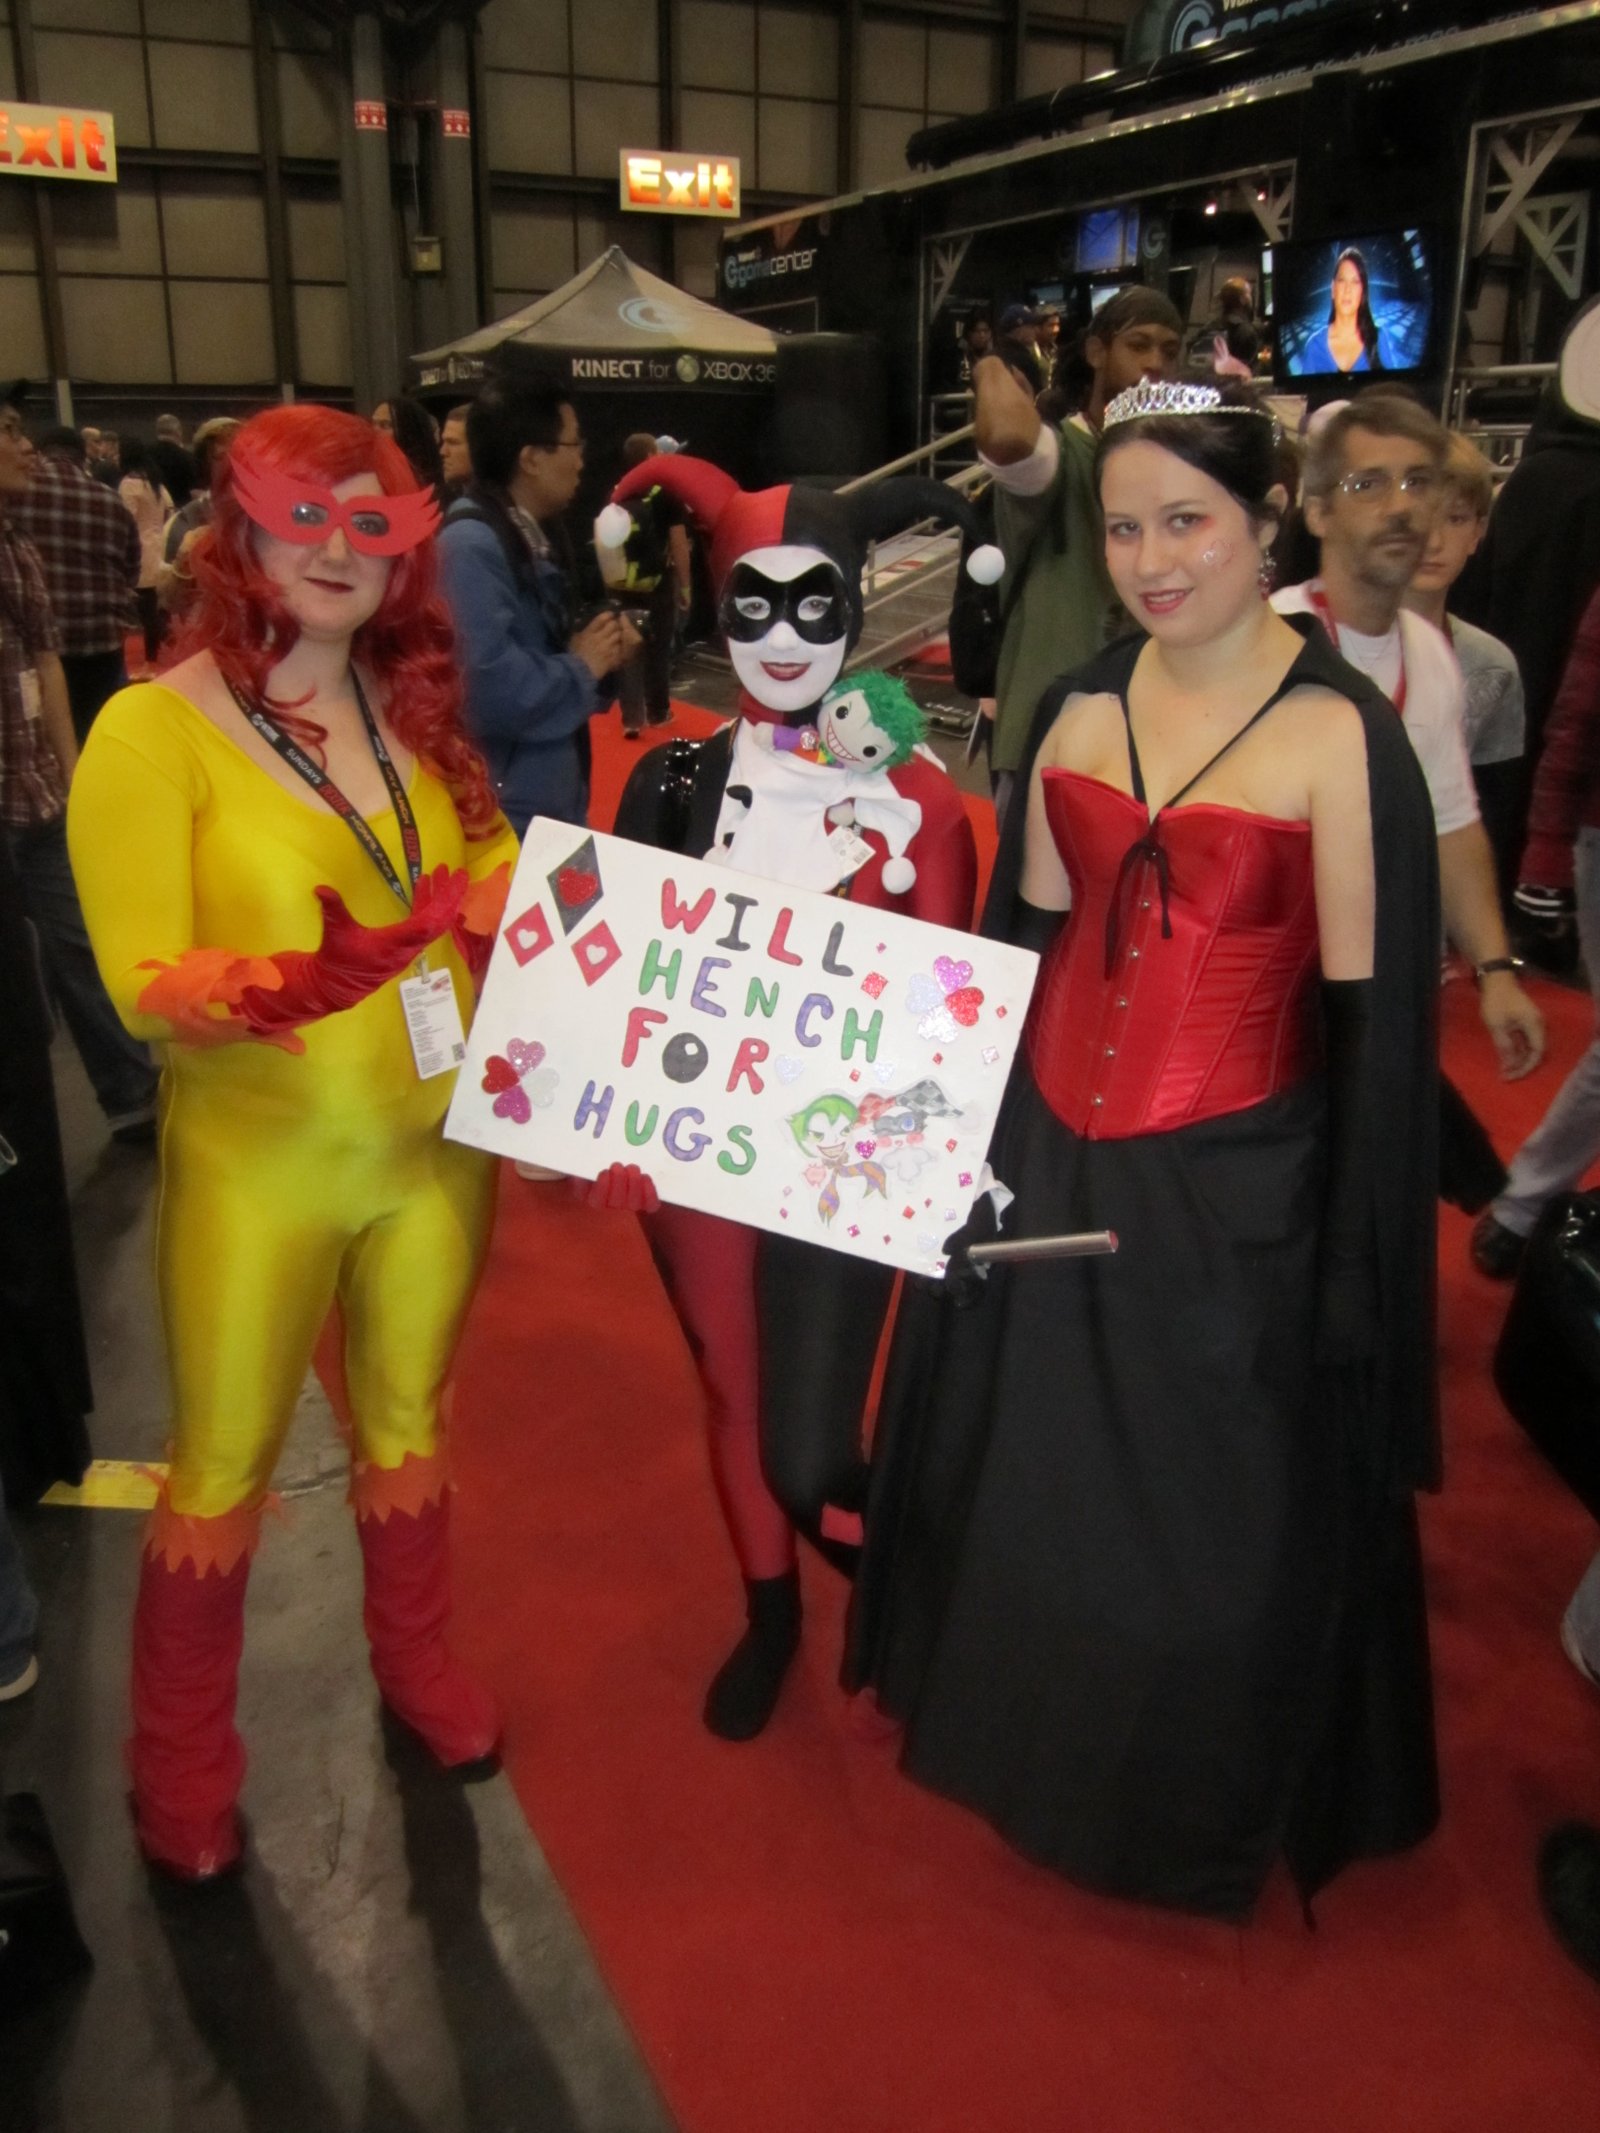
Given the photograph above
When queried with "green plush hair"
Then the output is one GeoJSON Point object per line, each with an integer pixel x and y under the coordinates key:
{"type": "Point", "coordinates": [838, 1110]}
{"type": "Point", "coordinates": [893, 709]}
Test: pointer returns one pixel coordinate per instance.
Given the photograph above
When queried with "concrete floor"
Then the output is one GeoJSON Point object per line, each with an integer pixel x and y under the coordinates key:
{"type": "Point", "coordinates": [396, 1957]}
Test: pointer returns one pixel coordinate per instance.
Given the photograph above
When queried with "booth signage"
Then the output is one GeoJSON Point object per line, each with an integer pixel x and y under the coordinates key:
{"type": "Point", "coordinates": [772, 265]}
{"type": "Point", "coordinates": [1168, 26]}
{"type": "Point", "coordinates": [678, 182]}
{"type": "Point", "coordinates": [49, 141]}
{"type": "Point", "coordinates": [815, 1067]}
{"type": "Point", "coordinates": [688, 371]}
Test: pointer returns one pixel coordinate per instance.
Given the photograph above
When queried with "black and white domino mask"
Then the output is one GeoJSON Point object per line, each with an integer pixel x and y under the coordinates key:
{"type": "Point", "coordinates": [785, 612]}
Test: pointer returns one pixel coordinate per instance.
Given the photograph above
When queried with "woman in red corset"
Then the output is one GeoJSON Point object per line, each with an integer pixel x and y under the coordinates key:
{"type": "Point", "coordinates": [1141, 1573]}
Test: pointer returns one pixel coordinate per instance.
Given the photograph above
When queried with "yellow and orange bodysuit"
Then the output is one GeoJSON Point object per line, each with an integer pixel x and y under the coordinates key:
{"type": "Point", "coordinates": [289, 1178]}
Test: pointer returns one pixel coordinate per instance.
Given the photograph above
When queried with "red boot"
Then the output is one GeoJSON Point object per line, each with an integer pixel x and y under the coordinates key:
{"type": "Point", "coordinates": [406, 1554]}
{"type": "Point", "coordinates": [185, 1756]}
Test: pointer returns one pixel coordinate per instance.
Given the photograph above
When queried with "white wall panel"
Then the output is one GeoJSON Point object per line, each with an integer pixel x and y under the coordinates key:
{"type": "Point", "coordinates": [104, 229]}
{"type": "Point", "coordinates": [883, 144]}
{"type": "Point", "coordinates": [533, 244]}
{"type": "Point", "coordinates": [720, 125]}
{"type": "Point", "coordinates": [316, 239]}
{"type": "Point", "coordinates": [221, 332]}
{"type": "Point", "coordinates": [310, 104]}
{"type": "Point", "coordinates": [530, 123]}
{"type": "Point", "coordinates": [99, 74]}
{"type": "Point", "coordinates": [615, 39]}
{"type": "Point", "coordinates": [322, 335]}
{"type": "Point", "coordinates": [963, 69]}
{"type": "Point", "coordinates": [87, 15]}
{"type": "Point", "coordinates": [222, 21]}
{"type": "Point", "coordinates": [798, 148]}
{"type": "Point", "coordinates": [116, 331]}
{"type": "Point", "coordinates": [894, 62]}
{"type": "Point", "coordinates": [22, 326]}
{"type": "Point", "coordinates": [799, 53]}
{"type": "Point", "coordinates": [526, 33]}
{"type": "Point", "coordinates": [213, 226]}
{"type": "Point", "coordinates": [716, 44]}
{"type": "Point", "coordinates": [611, 115]}
{"type": "Point", "coordinates": [204, 97]}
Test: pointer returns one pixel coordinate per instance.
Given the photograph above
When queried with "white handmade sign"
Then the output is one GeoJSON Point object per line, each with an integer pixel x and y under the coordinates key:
{"type": "Point", "coordinates": [791, 1060]}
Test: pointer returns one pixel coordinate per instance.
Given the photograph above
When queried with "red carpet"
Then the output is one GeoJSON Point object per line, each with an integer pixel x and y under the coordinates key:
{"type": "Point", "coordinates": [802, 1940]}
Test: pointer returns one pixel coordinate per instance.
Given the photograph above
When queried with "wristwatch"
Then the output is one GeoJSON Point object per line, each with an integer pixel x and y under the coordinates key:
{"type": "Point", "coordinates": [1513, 963]}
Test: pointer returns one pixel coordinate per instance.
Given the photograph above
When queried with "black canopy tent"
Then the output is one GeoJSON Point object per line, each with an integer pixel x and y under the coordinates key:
{"type": "Point", "coordinates": [637, 354]}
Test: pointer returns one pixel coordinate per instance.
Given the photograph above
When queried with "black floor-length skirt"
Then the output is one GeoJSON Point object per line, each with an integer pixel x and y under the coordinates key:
{"type": "Point", "coordinates": [1133, 1576]}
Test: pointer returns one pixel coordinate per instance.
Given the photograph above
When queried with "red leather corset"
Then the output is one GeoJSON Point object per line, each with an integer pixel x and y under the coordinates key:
{"type": "Point", "coordinates": [1132, 1031]}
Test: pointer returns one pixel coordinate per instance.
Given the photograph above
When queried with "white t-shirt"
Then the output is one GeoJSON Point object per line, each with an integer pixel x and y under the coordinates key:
{"type": "Point", "coordinates": [1436, 701]}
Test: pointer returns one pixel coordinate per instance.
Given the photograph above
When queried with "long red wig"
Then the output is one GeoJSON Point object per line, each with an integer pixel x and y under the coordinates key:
{"type": "Point", "coordinates": [407, 646]}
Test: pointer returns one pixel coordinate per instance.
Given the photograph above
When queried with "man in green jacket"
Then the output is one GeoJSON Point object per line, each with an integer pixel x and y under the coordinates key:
{"type": "Point", "coordinates": [1056, 597]}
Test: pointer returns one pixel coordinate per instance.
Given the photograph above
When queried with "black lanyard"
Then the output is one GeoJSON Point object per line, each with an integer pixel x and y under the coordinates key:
{"type": "Point", "coordinates": [318, 779]}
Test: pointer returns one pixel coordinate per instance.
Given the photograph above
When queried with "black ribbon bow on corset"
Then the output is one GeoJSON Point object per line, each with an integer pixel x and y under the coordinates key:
{"type": "Point", "coordinates": [1148, 850]}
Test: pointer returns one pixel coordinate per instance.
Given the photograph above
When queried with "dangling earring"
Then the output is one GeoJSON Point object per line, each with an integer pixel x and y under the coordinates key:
{"type": "Point", "coordinates": [1267, 575]}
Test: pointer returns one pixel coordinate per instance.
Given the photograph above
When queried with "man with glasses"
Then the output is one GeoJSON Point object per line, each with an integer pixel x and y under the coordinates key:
{"type": "Point", "coordinates": [533, 680]}
{"type": "Point", "coordinates": [1374, 479]}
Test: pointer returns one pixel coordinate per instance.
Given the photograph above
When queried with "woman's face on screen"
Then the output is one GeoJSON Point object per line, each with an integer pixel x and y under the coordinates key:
{"type": "Point", "coordinates": [1348, 289]}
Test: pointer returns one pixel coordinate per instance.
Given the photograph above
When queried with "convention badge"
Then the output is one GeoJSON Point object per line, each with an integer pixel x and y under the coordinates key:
{"type": "Point", "coordinates": [433, 1022]}
{"type": "Point", "coordinates": [28, 689]}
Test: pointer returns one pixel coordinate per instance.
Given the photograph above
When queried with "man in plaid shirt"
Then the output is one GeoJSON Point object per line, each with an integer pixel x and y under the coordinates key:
{"type": "Point", "coordinates": [88, 547]}
{"type": "Point", "coordinates": [38, 754]}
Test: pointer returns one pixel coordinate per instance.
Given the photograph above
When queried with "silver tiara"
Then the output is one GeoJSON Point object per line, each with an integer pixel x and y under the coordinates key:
{"type": "Point", "coordinates": [1168, 399]}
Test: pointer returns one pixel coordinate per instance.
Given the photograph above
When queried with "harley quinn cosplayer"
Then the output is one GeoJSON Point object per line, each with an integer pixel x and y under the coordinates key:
{"type": "Point", "coordinates": [785, 1333]}
{"type": "Point", "coordinates": [291, 866]}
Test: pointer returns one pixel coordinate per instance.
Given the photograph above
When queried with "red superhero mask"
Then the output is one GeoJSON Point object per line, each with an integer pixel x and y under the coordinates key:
{"type": "Point", "coordinates": [291, 508]}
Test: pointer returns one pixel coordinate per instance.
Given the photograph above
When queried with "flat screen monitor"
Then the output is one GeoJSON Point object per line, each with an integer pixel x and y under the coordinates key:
{"type": "Point", "coordinates": [1354, 305]}
{"type": "Point", "coordinates": [1101, 292]}
{"type": "Point", "coordinates": [1108, 240]}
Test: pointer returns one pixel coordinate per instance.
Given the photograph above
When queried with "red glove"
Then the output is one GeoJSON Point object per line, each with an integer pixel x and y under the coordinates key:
{"type": "Point", "coordinates": [623, 1189]}
{"type": "Point", "coordinates": [353, 960]}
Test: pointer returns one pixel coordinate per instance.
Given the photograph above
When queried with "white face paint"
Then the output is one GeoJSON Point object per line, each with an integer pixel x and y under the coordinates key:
{"type": "Point", "coordinates": [849, 734]}
{"type": "Point", "coordinates": [781, 669]}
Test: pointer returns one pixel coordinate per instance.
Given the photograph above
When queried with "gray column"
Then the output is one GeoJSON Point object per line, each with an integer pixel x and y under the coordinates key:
{"type": "Point", "coordinates": [457, 221]}
{"type": "Point", "coordinates": [379, 346]}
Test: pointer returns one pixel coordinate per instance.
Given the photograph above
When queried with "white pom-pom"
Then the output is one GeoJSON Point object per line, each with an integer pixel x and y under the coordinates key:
{"type": "Point", "coordinates": [612, 527]}
{"type": "Point", "coordinates": [986, 565]}
{"type": "Point", "coordinates": [898, 876]}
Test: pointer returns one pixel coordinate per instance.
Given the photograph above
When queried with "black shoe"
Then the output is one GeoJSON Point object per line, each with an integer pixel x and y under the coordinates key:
{"type": "Point", "coordinates": [1496, 1250]}
{"type": "Point", "coordinates": [1569, 1890]}
{"type": "Point", "coordinates": [744, 1693]}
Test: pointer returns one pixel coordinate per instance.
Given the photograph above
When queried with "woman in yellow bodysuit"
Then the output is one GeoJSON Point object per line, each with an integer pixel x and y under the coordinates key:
{"type": "Point", "coordinates": [272, 845]}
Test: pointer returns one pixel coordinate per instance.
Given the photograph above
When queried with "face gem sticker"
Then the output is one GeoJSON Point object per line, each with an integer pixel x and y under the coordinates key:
{"type": "Point", "coordinates": [950, 1149]}
{"type": "Point", "coordinates": [926, 1241]}
{"type": "Point", "coordinates": [990, 1055]}
{"type": "Point", "coordinates": [855, 1073]}
{"type": "Point", "coordinates": [855, 1229]}
{"type": "Point", "coordinates": [790, 1069]}
{"type": "Point", "coordinates": [1001, 1013]}
{"type": "Point", "coordinates": [575, 885]}
{"type": "Point", "coordinates": [874, 985]}
{"type": "Point", "coordinates": [965, 1178]}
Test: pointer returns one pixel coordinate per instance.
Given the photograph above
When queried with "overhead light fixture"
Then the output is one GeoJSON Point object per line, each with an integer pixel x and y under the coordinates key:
{"type": "Point", "coordinates": [1210, 207]}
{"type": "Point", "coordinates": [1261, 194]}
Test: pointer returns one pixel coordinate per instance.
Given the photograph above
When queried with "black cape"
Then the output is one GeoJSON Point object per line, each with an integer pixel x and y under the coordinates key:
{"type": "Point", "coordinates": [1051, 1674]}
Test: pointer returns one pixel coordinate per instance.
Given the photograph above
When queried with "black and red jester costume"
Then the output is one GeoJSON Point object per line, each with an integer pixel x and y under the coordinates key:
{"type": "Point", "coordinates": [784, 1333]}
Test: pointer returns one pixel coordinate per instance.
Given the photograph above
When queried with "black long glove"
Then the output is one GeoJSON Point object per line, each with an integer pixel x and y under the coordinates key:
{"type": "Point", "coordinates": [1347, 1273]}
{"type": "Point", "coordinates": [1033, 927]}
{"type": "Point", "coordinates": [963, 1283]}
